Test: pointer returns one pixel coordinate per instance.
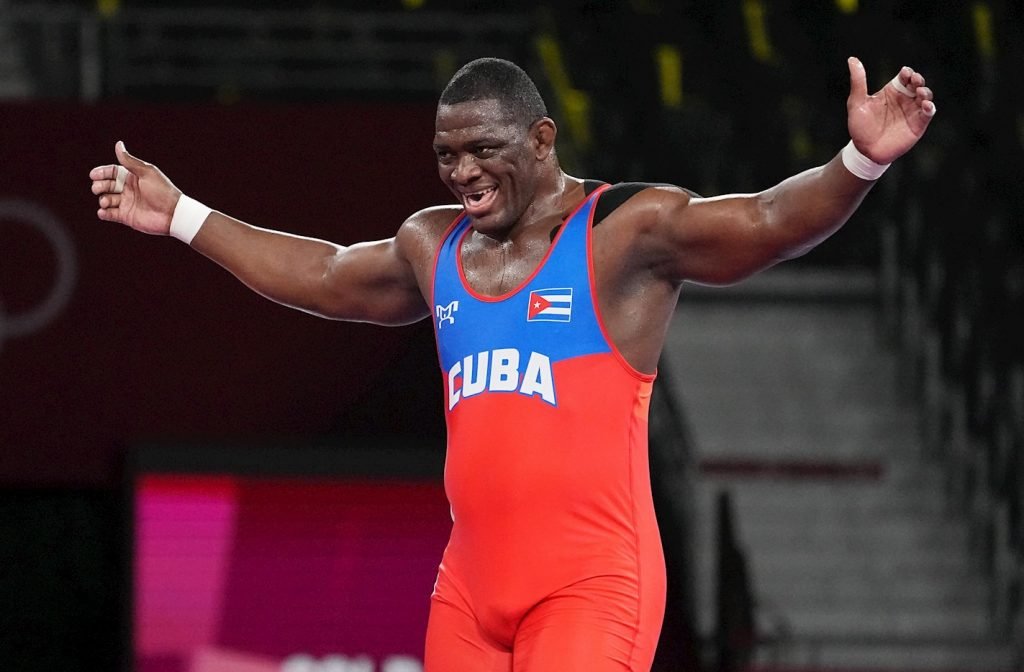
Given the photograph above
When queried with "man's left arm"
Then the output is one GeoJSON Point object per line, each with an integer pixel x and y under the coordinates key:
{"type": "Point", "coordinates": [725, 239]}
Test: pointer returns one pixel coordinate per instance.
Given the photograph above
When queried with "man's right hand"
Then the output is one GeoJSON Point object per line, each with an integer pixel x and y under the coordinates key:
{"type": "Point", "coordinates": [147, 199]}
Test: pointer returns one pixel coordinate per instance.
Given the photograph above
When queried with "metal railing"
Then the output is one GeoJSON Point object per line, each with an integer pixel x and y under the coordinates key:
{"type": "Point", "coordinates": [953, 313]}
{"type": "Point", "coordinates": [50, 52]}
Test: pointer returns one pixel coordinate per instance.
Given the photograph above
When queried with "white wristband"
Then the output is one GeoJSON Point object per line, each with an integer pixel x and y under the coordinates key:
{"type": "Point", "coordinates": [860, 165]}
{"type": "Point", "coordinates": [188, 218]}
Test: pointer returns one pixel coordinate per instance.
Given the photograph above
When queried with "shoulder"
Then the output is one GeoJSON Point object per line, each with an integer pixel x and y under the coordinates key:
{"type": "Point", "coordinates": [433, 221]}
{"type": "Point", "coordinates": [420, 235]}
{"type": "Point", "coordinates": [634, 203]}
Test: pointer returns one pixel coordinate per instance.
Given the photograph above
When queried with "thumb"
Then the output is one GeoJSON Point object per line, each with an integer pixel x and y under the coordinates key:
{"type": "Point", "coordinates": [858, 81]}
{"type": "Point", "coordinates": [127, 160]}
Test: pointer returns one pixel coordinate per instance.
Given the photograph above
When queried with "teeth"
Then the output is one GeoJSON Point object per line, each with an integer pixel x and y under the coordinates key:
{"type": "Point", "coordinates": [478, 195]}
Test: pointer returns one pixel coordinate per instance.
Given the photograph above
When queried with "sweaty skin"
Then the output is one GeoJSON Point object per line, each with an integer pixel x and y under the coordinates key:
{"type": "Point", "coordinates": [507, 181]}
{"type": "Point", "coordinates": [646, 249]}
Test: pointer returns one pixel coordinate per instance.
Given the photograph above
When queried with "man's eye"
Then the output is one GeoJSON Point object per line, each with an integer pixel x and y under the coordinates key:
{"type": "Point", "coordinates": [483, 151]}
{"type": "Point", "coordinates": [444, 156]}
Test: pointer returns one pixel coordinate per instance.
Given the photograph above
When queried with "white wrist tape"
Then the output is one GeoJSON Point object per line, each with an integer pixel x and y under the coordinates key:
{"type": "Point", "coordinates": [860, 165]}
{"type": "Point", "coordinates": [188, 218]}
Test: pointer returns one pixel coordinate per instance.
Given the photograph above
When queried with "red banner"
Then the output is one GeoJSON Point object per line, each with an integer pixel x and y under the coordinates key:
{"type": "Point", "coordinates": [108, 336]}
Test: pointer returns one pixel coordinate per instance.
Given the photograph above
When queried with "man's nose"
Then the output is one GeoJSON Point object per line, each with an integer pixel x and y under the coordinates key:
{"type": "Point", "coordinates": [466, 169]}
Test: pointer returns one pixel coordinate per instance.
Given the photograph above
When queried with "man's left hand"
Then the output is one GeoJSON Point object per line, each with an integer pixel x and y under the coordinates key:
{"type": "Point", "coordinates": [887, 124]}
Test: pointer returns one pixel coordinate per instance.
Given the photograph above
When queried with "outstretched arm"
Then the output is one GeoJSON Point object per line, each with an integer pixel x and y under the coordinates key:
{"type": "Point", "coordinates": [725, 239]}
{"type": "Point", "coordinates": [370, 282]}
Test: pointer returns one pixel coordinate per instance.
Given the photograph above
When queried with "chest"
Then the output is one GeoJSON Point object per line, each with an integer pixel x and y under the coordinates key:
{"type": "Point", "coordinates": [511, 313]}
{"type": "Point", "coordinates": [494, 269]}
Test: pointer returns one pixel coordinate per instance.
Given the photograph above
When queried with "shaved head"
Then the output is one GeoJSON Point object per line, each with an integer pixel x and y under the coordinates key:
{"type": "Point", "coordinates": [500, 80]}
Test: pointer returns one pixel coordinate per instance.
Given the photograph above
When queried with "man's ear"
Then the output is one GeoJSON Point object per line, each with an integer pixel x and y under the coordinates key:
{"type": "Point", "coordinates": [542, 137]}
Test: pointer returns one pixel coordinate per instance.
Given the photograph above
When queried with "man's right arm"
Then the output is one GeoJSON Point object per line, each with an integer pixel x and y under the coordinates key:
{"type": "Point", "coordinates": [368, 282]}
{"type": "Point", "coordinates": [365, 282]}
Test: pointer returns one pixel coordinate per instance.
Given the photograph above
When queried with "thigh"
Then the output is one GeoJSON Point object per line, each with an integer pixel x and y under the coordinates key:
{"type": "Point", "coordinates": [597, 625]}
{"type": "Point", "coordinates": [456, 644]}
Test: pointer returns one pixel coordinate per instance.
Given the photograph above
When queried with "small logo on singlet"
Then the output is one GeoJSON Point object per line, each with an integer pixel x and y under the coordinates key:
{"type": "Point", "coordinates": [446, 313]}
{"type": "Point", "coordinates": [550, 305]}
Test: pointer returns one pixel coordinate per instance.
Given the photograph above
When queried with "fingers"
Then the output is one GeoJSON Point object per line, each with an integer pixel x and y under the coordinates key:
{"type": "Point", "coordinates": [109, 214]}
{"type": "Point", "coordinates": [103, 173]}
{"type": "Point", "coordinates": [110, 179]}
{"type": "Point", "coordinates": [103, 185]}
{"type": "Point", "coordinates": [127, 160]}
{"type": "Point", "coordinates": [924, 98]}
{"type": "Point", "coordinates": [928, 108]}
{"type": "Point", "coordinates": [110, 171]}
{"type": "Point", "coordinates": [902, 88]}
{"type": "Point", "coordinates": [858, 81]}
{"type": "Point", "coordinates": [110, 204]}
{"type": "Point", "coordinates": [108, 182]}
{"type": "Point", "coordinates": [110, 200]}
{"type": "Point", "coordinates": [907, 81]}
{"type": "Point", "coordinates": [911, 84]}
{"type": "Point", "coordinates": [120, 175]}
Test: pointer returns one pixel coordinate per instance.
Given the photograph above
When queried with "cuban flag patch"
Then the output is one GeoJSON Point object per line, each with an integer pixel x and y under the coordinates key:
{"type": "Point", "coordinates": [550, 305]}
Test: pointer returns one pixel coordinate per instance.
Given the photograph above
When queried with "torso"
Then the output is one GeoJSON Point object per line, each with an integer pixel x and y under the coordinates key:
{"type": "Point", "coordinates": [546, 468]}
{"type": "Point", "coordinates": [636, 305]}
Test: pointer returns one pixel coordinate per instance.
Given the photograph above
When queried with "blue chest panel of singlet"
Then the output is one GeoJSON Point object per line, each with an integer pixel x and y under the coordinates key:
{"type": "Point", "coordinates": [551, 314]}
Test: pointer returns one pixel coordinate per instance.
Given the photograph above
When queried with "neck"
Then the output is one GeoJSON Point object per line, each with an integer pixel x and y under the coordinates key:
{"type": "Point", "coordinates": [556, 196]}
{"type": "Point", "coordinates": [560, 196]}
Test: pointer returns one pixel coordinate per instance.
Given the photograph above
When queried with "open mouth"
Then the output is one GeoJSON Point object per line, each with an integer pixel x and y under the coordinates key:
{"type": "Point", "coordinates": [479, 201]}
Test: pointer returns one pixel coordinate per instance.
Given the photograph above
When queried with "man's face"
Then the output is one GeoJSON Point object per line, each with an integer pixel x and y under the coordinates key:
{"type": "Point", "coordinates": [486, 160]}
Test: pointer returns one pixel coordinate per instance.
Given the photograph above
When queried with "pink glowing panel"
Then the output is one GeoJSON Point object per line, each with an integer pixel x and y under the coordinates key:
{"type": "Point", "coordinates": [184, 530]}
{"type": "Point", "coordinates": [261, 571]}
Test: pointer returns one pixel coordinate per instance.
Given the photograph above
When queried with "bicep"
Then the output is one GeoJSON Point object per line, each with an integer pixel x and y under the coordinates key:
{"type": "Point", "coordinates": [372, 282]}
{"type": "Point", "coordinates": [725, 239]}
{"type": "Point", "coordinates": [715, 241]}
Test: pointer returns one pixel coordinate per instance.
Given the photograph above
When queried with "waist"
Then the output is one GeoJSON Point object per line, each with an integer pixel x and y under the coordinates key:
{"type": "Point", "coordinates": [519, 462]}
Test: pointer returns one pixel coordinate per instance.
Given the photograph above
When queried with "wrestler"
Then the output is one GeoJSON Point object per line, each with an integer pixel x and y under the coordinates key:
{"type": "Point", "coordinates": [550, 297]}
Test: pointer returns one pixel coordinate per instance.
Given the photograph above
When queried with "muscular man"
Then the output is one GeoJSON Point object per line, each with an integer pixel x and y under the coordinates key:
{"type": "Point", "coordinates": [550, 297]}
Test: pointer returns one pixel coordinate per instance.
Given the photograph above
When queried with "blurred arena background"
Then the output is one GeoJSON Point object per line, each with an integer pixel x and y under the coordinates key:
{"type": "Point", "coordinates": [193, 479]}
